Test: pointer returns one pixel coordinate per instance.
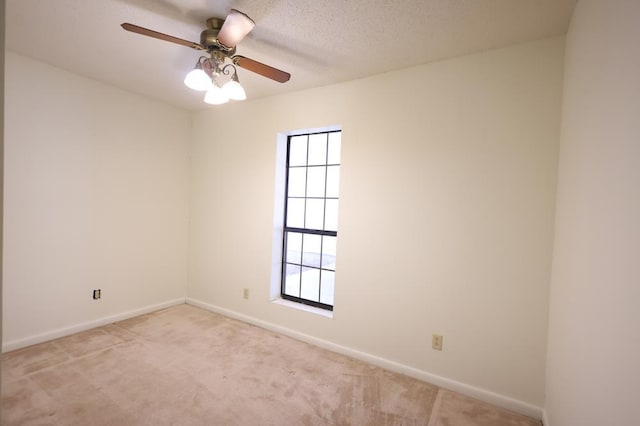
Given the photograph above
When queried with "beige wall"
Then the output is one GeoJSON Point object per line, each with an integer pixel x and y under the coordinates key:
{"type": "Point", "coordinates": [96, 187]}
{"type": "Point", "coordinates": [593, 375]}
{"type": "Point", "coordinates": [2, 9]}
{"type": "Point", "coordinates": [446, 216]}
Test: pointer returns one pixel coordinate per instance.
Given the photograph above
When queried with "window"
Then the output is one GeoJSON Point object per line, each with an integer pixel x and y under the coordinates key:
{"type": "Point", "coordinates": [311, 218]}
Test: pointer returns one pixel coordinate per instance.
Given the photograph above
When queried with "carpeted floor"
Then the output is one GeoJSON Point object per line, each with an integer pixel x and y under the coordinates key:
{"type": "Point", "coordinates": [188, 366]}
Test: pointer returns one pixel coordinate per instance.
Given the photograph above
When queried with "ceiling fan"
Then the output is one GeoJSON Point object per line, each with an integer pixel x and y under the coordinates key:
{"type": "Point", "coordinates": [219, 43]}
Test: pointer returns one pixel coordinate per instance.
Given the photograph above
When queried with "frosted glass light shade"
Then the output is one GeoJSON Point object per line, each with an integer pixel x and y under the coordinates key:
{"type": "Point", "coordinates": [216, 96]}
{"type": "Point", "coordinates": [197, 79]}
{"type": "Point", "coordinates": [234, 90]}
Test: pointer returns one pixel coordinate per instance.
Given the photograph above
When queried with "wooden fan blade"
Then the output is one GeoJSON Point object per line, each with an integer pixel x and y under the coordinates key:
{"type": "Point", "coordinates": [155, 34]}
{"type": "Point", "coordinates": [236, 26]}
{"type": "Point", "coordinates": [262, 69]}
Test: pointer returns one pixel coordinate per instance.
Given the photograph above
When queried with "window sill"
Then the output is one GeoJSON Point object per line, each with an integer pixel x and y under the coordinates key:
{"type": "Point", "coordinates": [303, 307]}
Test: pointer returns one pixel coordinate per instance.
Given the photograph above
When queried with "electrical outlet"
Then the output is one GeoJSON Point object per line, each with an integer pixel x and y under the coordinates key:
{"type": "Point", "coordinates": [436, 342]}
{"type": "Point", "coordinates": [96, 294]}
{"type": "Point", "coordinates": [246, 293]}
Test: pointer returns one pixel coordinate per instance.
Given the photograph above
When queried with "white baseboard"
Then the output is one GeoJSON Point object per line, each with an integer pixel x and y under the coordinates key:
{"type": "Point", "coordinates": [61, 332]}
{"type": "Point", "coordinates": [443, 382]}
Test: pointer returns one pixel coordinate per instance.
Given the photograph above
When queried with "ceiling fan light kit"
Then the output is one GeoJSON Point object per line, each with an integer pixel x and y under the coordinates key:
{"type": "Point", "coordinates": [206, 75]}
{"type": "Point", "coordinates": [215, 95]}
{"type": "Point", "coordinates": [233, 88]}
{"type": "Point", "coordinates": [219, 41]}
{"type": "Point", "coordinates": [197, 79]}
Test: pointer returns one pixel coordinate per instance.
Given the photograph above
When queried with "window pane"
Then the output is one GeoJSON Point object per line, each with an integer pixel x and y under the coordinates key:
{"type": "Point", "coordinates": [295, 213]}
{"type": "Point", "coordinates": [318, 149]}
{"type": "Point", "coordinates": [294, 247]}
{"type": "Point", "coordinates": [331, 218]}
{"type": "Point", "coordinates": [297, 180]}
{"type": "Point", "coordinates": [333, 181]}
{"type": "Point", "coordinates": [329, 252]}
{"type": "Point", "coordinates": [327, 285]}
{"type": "Point", "coordinates": [315, 186]}
{"type": "Point", "coordinates": [311, 247]}
{"type": "Point", "coordinates": [315, 214]}
{"type": "Point", "coordinates": [298, 151]}
{"type": "Point", "coordinates": [292, 280]}
{"type": "Point", "coordinates": [313, 183]}
{"type": "Point", "coordinates": [334, 147]}
{"type": "Point", "coordinates": [310, 288]}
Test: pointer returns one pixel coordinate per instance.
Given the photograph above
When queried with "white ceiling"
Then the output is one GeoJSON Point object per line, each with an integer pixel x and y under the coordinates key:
{"type": "Point", "coordinates": [319, 42]}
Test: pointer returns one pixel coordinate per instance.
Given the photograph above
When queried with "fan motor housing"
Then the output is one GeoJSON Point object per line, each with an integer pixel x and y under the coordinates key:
{"type": "Point", "coordinates": [209, 37]}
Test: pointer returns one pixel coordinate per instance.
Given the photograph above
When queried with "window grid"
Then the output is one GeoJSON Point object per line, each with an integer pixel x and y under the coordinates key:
{"type": "Point", "coordinates": [302, 265]}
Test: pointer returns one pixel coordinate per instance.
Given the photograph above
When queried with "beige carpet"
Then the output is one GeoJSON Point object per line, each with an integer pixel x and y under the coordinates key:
{"type": "Point", "coordinates": [188, 366]}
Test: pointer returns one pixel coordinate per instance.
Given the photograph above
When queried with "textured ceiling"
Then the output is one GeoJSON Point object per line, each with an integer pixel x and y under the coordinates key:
{"type": "Point", "coordinates": [318, 42]}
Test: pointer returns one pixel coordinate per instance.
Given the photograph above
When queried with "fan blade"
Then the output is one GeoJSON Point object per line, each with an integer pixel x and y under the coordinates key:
{"type": "Point", "coordinates": [262, 69]}
{"type": "Point", "coordinates": [236, 26]}
{"type": "Point", "coordinates": [150, 33]}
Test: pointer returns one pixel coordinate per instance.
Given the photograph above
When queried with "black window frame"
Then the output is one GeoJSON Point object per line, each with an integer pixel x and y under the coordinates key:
{"type": "Point", "coordinates": [303, 231]}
